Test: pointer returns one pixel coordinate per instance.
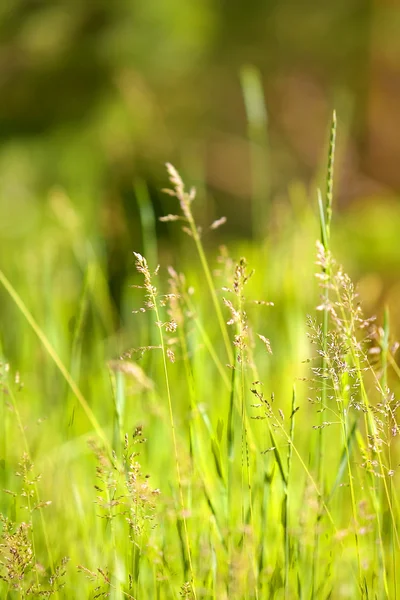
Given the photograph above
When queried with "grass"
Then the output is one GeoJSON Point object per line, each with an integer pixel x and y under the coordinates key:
{"type": "Point", "coordinates": [230, 441]}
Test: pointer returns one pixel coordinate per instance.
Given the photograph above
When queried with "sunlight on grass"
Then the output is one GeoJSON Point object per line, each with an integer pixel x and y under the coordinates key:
{"type": "Point", "coordinates": [236, 439]}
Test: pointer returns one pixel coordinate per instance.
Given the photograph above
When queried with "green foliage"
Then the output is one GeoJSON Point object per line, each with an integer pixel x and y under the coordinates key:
{"type": "Point", "coordinates": [173, 457]}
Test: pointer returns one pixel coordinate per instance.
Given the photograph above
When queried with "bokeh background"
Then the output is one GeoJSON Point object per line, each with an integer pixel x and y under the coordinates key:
{"type": "Point", "coordinates": [96, 96]}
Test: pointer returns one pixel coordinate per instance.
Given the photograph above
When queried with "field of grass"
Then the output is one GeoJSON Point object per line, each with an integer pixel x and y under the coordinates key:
{"type": "Point", "coordinates": [234, 439]}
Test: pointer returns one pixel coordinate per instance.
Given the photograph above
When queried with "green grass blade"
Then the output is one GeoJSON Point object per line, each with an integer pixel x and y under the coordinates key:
{"type": "Point", "coordinates": [55, 357]}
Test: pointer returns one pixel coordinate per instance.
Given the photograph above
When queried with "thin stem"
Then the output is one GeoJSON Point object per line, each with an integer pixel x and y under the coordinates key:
{"type": "Point", "coordinates": [207, 342]}
{"type": "Point", "coordinates": [286, 515]}
{"type": "Point", "coordinates": [245, 446]}
{"type": "Point", "coordinates": [211, 286]}
{"type": "Point", "coordinates": [174, 440]}
{"type": "Point", "coordinates": [325, 218]}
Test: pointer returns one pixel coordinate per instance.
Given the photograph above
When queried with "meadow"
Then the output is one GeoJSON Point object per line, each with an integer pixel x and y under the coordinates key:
{"type": "Point", "coordinates": [234, 438]}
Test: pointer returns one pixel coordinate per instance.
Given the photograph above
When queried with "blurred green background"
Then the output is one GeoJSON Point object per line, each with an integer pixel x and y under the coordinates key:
{"type": "Point", "coordinates": [96, 96]}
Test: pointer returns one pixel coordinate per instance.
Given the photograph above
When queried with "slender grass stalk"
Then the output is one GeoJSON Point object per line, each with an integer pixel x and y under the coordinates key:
{"type": "Point", "coordinates": [344, 458]}
{"type": "Point", "coordinates": [172, 421]}
{"type": "Point", "coordinates": [143, 268]}
{"type": "Point", "coordinates": [286, 496]}
{"type": "Point", "coordinates": [207, 342]}
{"type": "Point", "coordinates": [241, 339]}
{"type": "Point", "coordinates": [385, 386]}
{"type": "Point", "coordinates": [209, 279]}
{"type": "Point", "coordinates": [384, 344]}
{"type": "Point", "coordinates": [346, 435]}
{"type": "Point", "coordinates": [230, 445]}
{"type": "Point", "coordinates": [325, 223]}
